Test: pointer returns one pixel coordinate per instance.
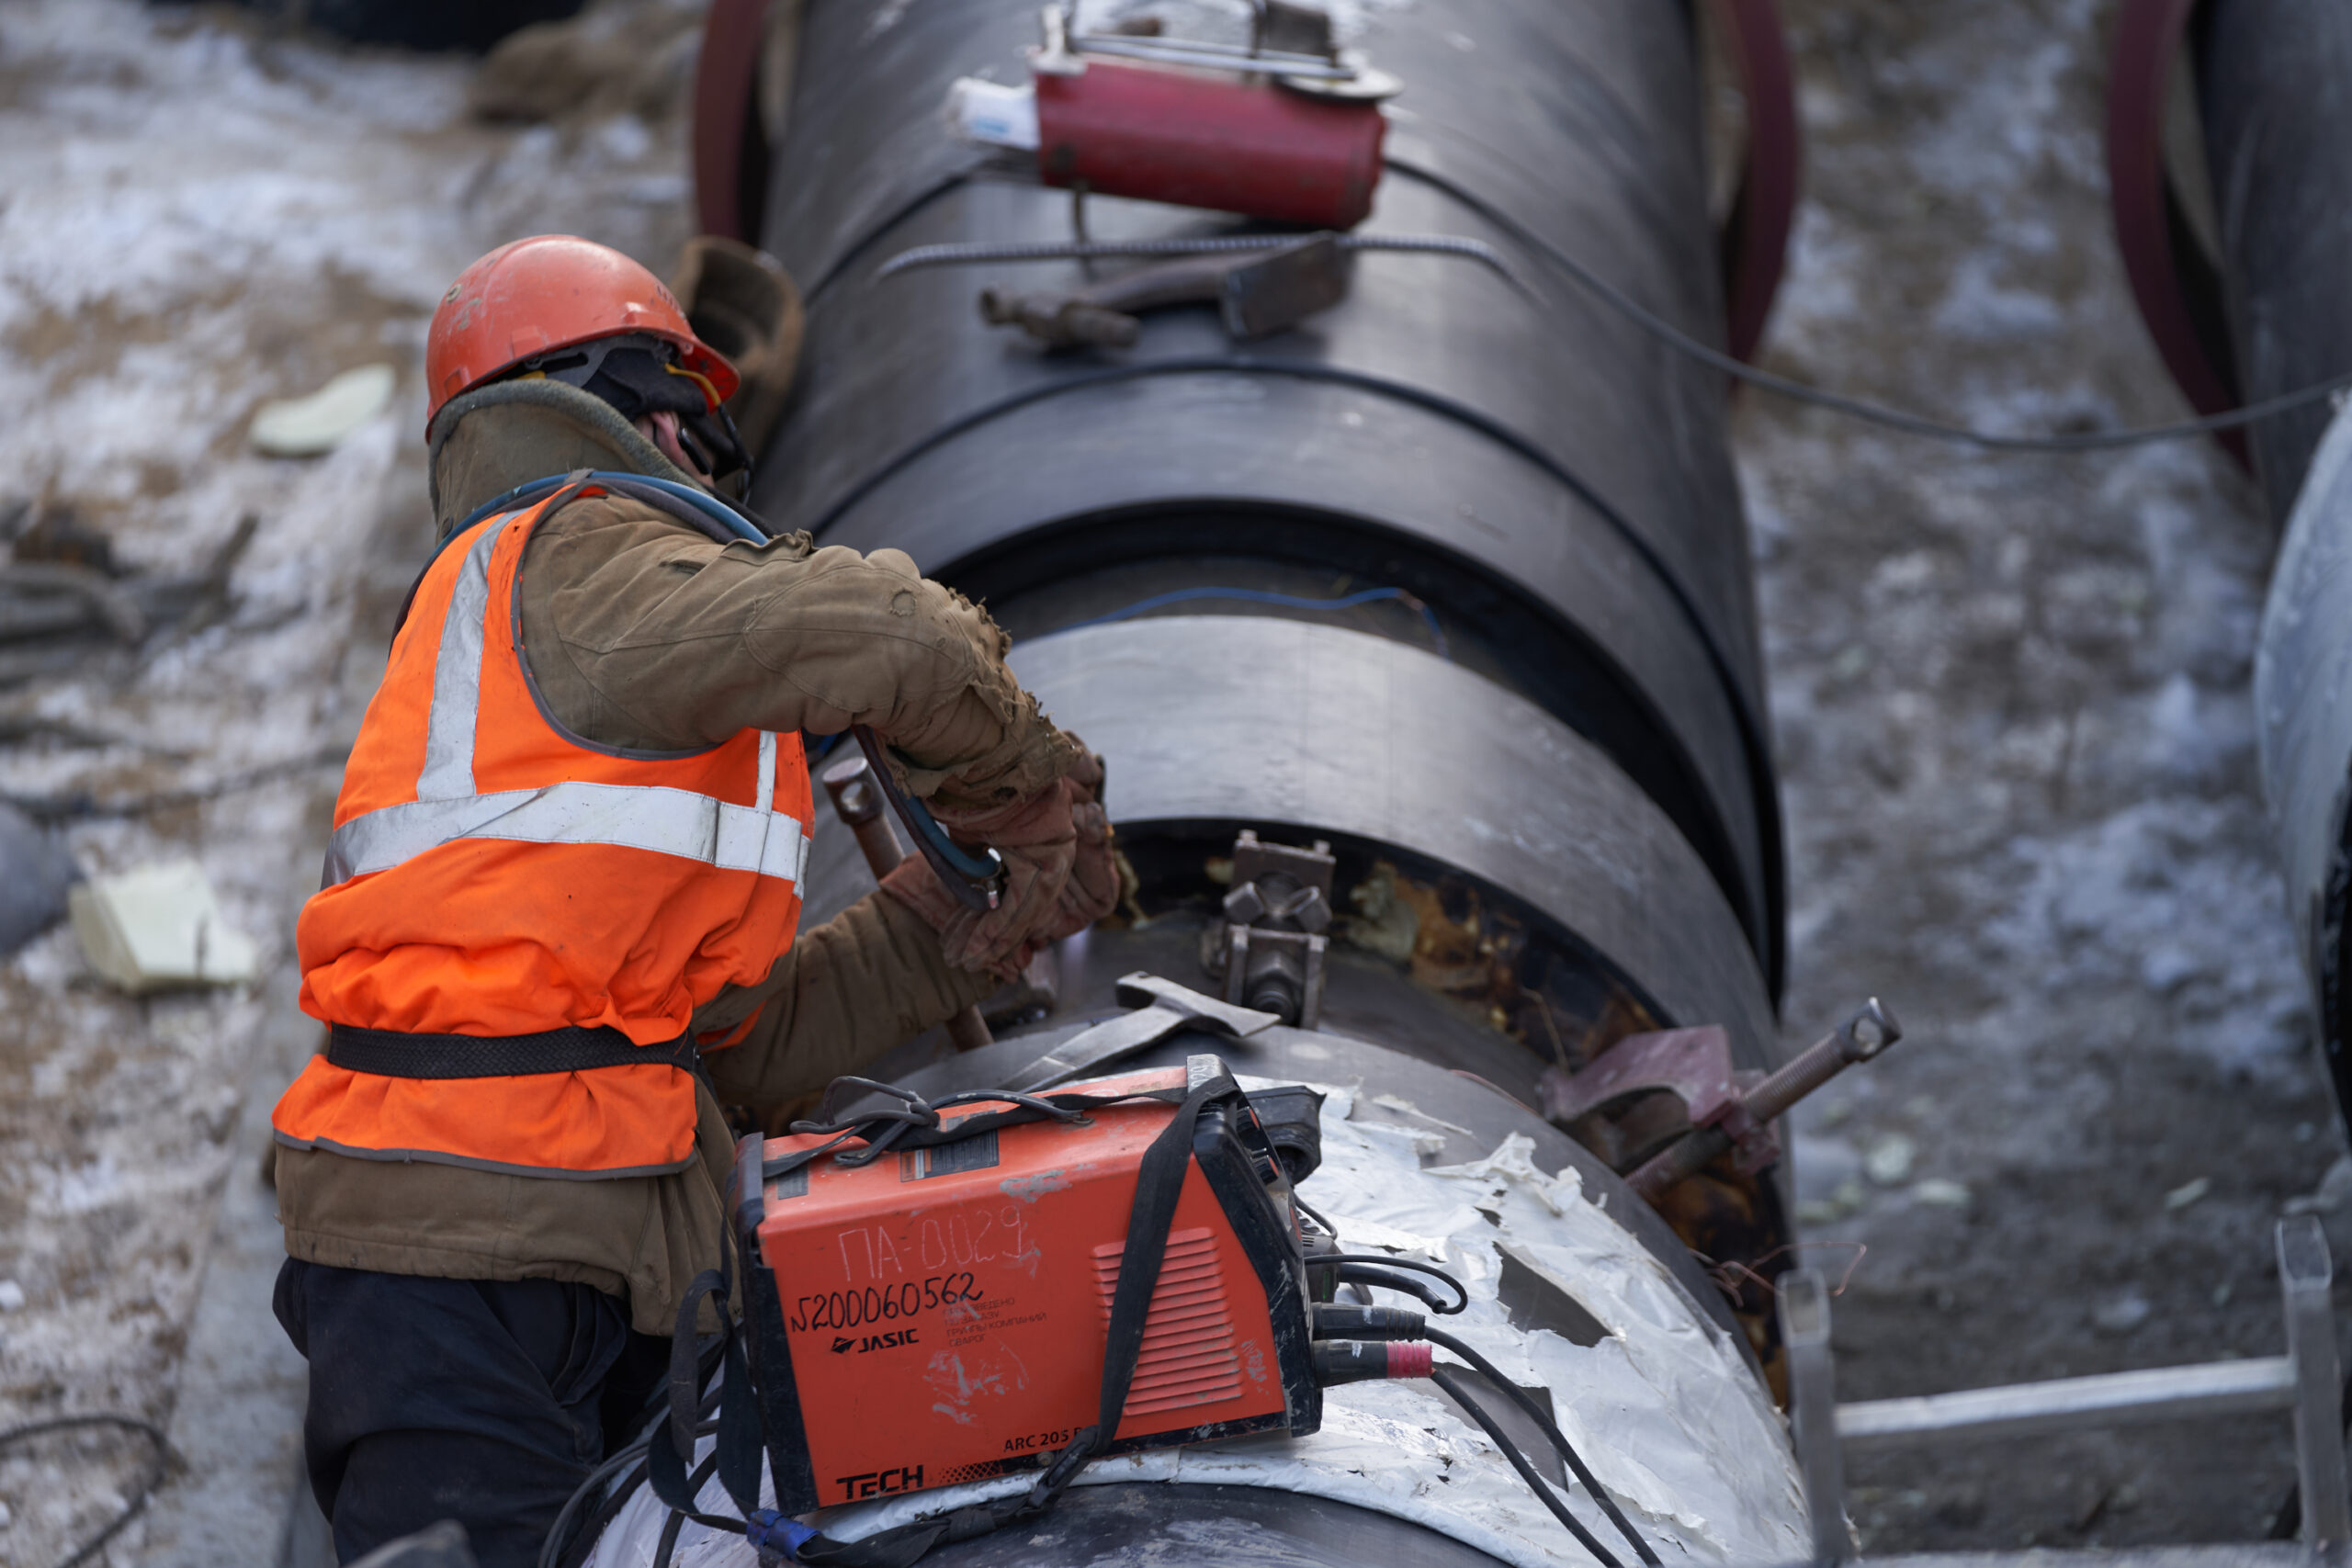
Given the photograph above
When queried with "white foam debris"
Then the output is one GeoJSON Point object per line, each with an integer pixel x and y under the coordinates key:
{"type": "Point", "coordinates": [309, 426]}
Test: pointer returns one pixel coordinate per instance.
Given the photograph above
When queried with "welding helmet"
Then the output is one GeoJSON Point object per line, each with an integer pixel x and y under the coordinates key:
{"type": "Point", "coordinates": [573, 311]}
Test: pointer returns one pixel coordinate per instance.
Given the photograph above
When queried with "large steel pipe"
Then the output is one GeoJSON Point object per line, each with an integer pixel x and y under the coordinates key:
{"type": "Point", "coordinates": [2275, 91]}
{"type": "Point", "coordinates": [2303, 681]}
{"type": "Point", "coordinates": [1314, 730]}
{"type": "Point", "coordinates": [1541, 768]}
{"type": "Point", "coordinates": [2258, 240]}
{"type": "Point", "coordinates": [1555, 487]}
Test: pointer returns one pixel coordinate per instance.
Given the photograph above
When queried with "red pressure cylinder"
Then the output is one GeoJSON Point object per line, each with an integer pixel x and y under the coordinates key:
{"type": "Point", "coordinates": [1254, 147]}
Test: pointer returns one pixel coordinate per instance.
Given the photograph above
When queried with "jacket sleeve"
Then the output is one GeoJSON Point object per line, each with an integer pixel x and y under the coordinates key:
{"type": "Point", "coordinates": [871, 977]}
{"type": "Point", "coordinates": [641, 634]}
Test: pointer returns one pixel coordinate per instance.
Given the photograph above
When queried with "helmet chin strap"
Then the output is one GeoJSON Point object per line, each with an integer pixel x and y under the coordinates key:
{"type": "Point", "coordinates": [670, 435]}
{"type": "Point", "coordinates": [639, 375]}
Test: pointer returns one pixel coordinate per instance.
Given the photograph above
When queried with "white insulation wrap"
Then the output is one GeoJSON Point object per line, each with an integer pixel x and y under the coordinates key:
{"type": "Point", "coordinates": [1663, 1408]}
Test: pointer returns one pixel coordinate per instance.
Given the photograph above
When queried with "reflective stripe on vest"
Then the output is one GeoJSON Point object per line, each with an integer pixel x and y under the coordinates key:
{"type": "Point", "coordinates": [666, 821]}
{"type": "Point", "coordinates": [492, 875]}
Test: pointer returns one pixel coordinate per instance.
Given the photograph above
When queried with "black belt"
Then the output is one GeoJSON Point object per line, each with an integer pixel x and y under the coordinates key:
{"type": "Point", "coordinates": [392, 1054]}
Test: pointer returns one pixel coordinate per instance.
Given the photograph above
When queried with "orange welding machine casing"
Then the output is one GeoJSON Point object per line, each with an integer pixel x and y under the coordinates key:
{"type": "Point", "coordinates": [938, 1315]}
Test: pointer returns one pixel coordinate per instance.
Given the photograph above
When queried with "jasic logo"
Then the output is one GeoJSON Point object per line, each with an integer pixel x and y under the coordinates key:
{"type": "Point", "coordinates": [845, 1343]}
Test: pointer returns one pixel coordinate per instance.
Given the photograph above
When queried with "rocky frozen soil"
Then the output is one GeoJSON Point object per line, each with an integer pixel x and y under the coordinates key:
{"type": "Point", "coordinates": [2012, 702]}
{"type": "Point", "coordinates": [196, 216]}
{"type": "Point", "coordinates": [2010, 695]}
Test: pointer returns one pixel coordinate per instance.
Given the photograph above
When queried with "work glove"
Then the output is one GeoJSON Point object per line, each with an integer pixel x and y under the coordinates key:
{"type": "Point", "coordinates": [1060, 875]}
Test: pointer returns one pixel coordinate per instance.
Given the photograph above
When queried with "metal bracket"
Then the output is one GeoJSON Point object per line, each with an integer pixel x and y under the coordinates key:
{"type": "Point", "coordinates": [2304, 1380]}
{"type": "Point", "coordinates": [1269, 947]}
{"type": "Point", "coordinates": [2305, 1272]}
{"type": "Point", "coordinates": [1813, 1410]}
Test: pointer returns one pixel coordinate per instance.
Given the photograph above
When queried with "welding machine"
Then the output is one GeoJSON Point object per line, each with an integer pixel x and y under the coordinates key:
{"type": "Point", "coordinates": [933, 1294]}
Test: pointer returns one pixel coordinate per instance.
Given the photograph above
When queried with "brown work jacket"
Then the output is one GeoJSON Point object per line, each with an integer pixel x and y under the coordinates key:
{"type": "Point", "coordinates": [644, 634]}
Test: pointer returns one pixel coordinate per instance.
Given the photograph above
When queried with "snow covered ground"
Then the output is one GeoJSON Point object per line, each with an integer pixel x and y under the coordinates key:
{"type": "Point", "coordinates": [196, 216]}
{"type": "Point", "coordinates": [2013, 708]}
{"type": "Point", "coordinates": [2010, 695]}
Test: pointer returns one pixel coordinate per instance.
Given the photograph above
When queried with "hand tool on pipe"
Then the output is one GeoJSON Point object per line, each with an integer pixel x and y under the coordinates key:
{"type": "Point", "coordinates": [858, 802]}
{"type": "Point", "coordinates": [975, 877]}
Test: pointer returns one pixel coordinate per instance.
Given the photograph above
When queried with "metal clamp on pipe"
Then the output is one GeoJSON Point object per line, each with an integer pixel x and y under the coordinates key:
{"type": "Point", "coordinates": [1870, 1031]}
{"type": "Point", "coordinates": [975, 877]}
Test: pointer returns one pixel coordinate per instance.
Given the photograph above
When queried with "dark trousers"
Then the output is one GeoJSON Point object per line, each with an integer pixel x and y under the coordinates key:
{"type": "Point", "coordinates": [483, 1402]}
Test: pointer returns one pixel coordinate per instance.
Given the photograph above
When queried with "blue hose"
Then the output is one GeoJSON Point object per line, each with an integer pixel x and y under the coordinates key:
{"type": "Point", "coordinates": [702, 501]}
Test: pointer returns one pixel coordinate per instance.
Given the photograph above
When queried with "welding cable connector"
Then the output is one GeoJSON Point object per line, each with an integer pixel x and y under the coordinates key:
{"type": "Point", "coordinates": [1360, 1360]}
{"type": "Point", "coordinates": [1330, 1320]}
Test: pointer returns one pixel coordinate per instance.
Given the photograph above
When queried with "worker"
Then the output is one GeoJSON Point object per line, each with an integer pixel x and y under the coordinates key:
{"type": "Point", "coordinates": [556, 933]}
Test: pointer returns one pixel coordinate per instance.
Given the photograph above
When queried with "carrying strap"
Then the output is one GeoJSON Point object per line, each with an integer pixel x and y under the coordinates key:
{"type": "Point", "coordinates": [736, 1453]}
{"type": "Point", "coordinates": [388, 1052]}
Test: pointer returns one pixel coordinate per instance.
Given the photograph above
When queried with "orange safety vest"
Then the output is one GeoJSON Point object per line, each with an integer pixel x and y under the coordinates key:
{"type": "Point", "coordinates": [492, 875]}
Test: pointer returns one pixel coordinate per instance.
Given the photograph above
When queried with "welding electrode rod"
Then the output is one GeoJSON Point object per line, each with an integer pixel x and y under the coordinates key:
{"type": "Point", "coordinates": [1871, 1032]}
{"type": "Point", "coordinates": [859, 805]}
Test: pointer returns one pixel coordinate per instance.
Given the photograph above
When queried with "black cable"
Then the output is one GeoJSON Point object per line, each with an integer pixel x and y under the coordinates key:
{"type": "Point", "coordinates": [1422, 1290]}
{"type": "Point", "coordinates": [1552, 1434]}
{"type": "Point", "coordinates": [975, 254]}
{"type": "Point", "coordinates": [892, 218]}
{"type": "Point", "coordinates": [1856, 408]}
{"type": "Point", "coordinates": [130, 1510]}
{"type": "Point", "coordinates": [1446, 1379]}
{"type": "Point", "coordinates": [677, 1519]}
{"type": "Point", "coordinates": [670, 1528]}
{"type": "Point", "coordinates": [1309, 1210]}
{"type": "Point", "coordinates": [1682, 342]}
{"type": "Point", "coordinates": [1381, 1260]}
{"type": "Point", "coordinates": [615, 1499]}
{"type": "Point", "coordinates": [553, 1548]}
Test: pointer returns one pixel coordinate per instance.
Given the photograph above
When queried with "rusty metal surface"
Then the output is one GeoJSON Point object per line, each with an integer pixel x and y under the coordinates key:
{"type": "Point", "coordinates": [1694, 1064]}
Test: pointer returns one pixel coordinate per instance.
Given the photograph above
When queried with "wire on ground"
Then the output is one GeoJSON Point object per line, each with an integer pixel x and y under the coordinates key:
{"type": "Point", "coordinates": [130, 1509]}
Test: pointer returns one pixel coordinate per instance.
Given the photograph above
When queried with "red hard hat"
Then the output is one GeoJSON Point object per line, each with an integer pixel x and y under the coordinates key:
{"type": "Point", "coordinates": [548, 292]}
